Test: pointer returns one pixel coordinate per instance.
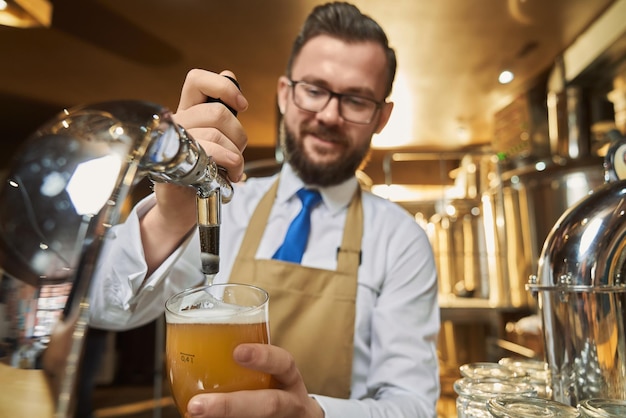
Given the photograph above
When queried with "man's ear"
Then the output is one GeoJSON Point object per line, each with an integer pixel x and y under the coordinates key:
{"type": "Point", "coordinates": [282, 92]}
{"type": "Point", "coordinates": [385, 113]}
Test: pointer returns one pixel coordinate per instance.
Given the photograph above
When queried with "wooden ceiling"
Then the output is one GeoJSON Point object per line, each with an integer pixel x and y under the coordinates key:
{"type": "Point", "coordinates": [450, 53]}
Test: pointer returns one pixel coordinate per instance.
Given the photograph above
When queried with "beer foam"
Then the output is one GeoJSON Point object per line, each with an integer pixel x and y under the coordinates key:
{"type": "Point", "coordinates": [201, 307]}
{"type": "Point", "coordinates": [217, 314]}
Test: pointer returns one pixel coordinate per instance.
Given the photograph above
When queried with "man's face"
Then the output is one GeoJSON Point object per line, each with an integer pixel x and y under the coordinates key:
{"type": "Point", "coordinates": [323, 147]}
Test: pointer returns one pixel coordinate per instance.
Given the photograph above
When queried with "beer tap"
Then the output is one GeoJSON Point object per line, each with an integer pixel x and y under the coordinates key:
{"type": "Point", "coordinates": [213, 189]}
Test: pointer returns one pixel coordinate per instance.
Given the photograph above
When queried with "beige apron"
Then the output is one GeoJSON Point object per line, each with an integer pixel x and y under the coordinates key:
{"type": "Point", "coordinates": [311, 310]}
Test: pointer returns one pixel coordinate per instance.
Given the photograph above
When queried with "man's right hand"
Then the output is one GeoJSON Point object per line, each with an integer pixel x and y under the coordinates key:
{"type": "Point", "coordinates": [221, 135]}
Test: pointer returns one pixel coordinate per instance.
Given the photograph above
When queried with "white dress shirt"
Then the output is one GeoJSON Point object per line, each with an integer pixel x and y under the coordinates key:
{"type": "Point", "coordinates": [395, 368]}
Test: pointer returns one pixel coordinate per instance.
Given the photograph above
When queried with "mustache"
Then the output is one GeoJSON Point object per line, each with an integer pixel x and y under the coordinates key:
{"type": "Point", "coordinates": [327, 134]}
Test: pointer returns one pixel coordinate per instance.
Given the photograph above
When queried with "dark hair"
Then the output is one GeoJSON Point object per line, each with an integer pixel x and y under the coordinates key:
{"type": "Point", "coordinates": [346, 22]}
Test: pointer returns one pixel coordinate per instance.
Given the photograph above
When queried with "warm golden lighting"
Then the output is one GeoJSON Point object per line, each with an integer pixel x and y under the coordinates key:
{"type": "Point", "coordinates": [416, 193]}
{"type": "Point", "coordinates": [399, 129]}
{"type": "Point", "coordinates": [26, 13]}
{"type": "Point", "coordinates": [506, 77]}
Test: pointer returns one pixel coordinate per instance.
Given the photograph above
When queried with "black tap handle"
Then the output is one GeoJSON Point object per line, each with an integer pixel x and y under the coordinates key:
{"type": "Point", "coordinates": [213, 100]}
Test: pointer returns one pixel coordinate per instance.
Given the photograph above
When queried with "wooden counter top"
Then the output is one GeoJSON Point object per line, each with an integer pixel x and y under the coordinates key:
{"type": "Point", "coordinates": [24, 393]}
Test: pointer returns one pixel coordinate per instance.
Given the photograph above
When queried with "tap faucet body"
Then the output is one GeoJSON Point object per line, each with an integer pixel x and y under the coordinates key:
{"type": "Point", "coordinates": [184, 162]}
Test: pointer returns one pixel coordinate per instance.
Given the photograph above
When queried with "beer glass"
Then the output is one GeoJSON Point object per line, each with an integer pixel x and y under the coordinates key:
{"type": "Point", "coordinates": [204, 325]}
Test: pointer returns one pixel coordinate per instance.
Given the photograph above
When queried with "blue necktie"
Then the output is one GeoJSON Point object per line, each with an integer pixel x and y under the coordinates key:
{"type": "Point", "coordinates": [298, 232]}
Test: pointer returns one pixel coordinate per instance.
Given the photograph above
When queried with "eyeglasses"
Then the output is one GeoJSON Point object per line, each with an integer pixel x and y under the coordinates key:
{"type": "Point", "coordinates": [312, 98]}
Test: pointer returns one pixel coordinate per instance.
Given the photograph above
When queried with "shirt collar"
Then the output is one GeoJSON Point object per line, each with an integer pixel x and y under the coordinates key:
{"type": "Point", "coordinates": [334, 197]}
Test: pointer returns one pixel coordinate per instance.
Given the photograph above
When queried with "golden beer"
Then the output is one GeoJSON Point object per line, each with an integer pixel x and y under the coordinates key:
{"type": "Point", "coordinates": [203, 330]}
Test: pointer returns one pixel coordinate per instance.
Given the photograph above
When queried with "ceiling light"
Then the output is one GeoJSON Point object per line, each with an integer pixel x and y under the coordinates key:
{"type": "Point", "coordinates": [26, 13]}
{"type": "Point", "coordinates": [463, 134]}
{"type": "Point", "coordinates": [506, 77]}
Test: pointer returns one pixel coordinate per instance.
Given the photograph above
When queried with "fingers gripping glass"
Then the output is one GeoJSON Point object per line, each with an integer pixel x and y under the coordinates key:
{"type": "Point", "coordinates": [352, 108]}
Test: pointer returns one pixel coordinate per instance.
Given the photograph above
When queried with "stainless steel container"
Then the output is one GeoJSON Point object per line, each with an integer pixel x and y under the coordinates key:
{"type": "Point", "coordinates": [458, 241]}
{"type": "Point", "coordinates": [519, 213]}
{"type": "Point", "coordinates": [581, 290]}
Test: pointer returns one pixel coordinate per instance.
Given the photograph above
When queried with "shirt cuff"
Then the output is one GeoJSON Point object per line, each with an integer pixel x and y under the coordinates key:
{"type": "Point", "coordinates": [341, 408]}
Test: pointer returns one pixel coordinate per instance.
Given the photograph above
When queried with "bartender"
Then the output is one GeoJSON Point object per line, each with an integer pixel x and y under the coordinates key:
{"type": "Point", "coordinates": [353, 292]}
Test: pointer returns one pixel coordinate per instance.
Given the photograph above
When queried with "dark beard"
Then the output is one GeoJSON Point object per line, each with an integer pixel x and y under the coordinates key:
{"type": "Point", "coordinates": [323, 175]}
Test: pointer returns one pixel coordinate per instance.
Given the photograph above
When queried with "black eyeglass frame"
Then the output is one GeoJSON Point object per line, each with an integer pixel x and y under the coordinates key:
{"type": "Point", "coordinates": [339, 96]}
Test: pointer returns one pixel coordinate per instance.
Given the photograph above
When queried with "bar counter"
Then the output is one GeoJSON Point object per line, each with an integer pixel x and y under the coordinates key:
{"type": "Point", "coordinates": [25, 393]}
